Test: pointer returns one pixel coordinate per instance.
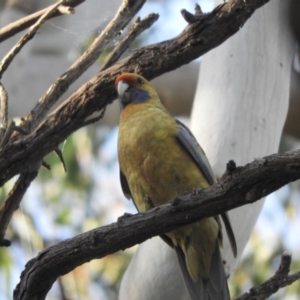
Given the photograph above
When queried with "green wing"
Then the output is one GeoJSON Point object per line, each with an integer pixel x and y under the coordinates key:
{"type": "Point", "coordinates": [190, 144]}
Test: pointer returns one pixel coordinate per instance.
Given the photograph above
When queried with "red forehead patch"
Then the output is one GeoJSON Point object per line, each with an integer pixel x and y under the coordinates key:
{"type": "Point", "coordinates": [129, 78]}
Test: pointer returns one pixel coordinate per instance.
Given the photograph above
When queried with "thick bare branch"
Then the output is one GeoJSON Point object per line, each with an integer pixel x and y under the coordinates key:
{"type": "Point", "coordinates": [238, 186]}
{"type": "Point", "coordinates": [151, 61]}
{"type": "Point", "coordinates": [19, 25]}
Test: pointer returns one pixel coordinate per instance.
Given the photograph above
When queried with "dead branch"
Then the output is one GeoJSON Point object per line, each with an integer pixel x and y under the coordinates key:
{"type": "Point", "coordinates": [137, 28]}
{"type": "Point", "coordinates": [19, 25]}
{"type": "Point", "coordinates": [237, 187]}
{"type": "Point", "coordinates": [280, 279]}
{"type": "Point", "coordinates": [12, 202]}
{"type": "Point", "coordinates": [3, 113]}
{"type": "Point", "coordinates": [126, 12]}
{"type": "Point", "coordinates": [122, 18]}
{"type": "Point", "coordinates": [6, 61]}
{"type": "Point", "coordinates": [198, 38]}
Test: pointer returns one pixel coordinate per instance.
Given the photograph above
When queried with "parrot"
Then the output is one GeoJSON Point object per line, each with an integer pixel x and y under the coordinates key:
{"type": "Point", "coordinates": [161, 160]}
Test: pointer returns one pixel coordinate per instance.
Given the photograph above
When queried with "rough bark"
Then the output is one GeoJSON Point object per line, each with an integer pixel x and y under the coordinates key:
{"type": "Point", "coordinates": [238, 113]}
{"type": "Point", "coordinates": [202, 34]}
{"type": "Point", "coordinates": [151, 61]}
{"type": "Point", "coordinates": [238, 186]}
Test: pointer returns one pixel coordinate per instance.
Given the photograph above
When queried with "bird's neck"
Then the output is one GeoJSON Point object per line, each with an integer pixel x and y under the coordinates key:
{"type": "Point", "coordinates": [133, 109]}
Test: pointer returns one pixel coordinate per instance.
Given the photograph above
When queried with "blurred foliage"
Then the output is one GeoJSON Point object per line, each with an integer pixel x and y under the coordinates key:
{"type": "Point", "coordinates": [60, 205]}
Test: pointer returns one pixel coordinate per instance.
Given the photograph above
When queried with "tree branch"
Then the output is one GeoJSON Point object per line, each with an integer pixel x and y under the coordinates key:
{"type": "Point", "coordinates": [198, 38]}
{"type": "Point", "coordinates": [126, 12]}
{"type": "Point", "coordinates": [237, 187]}
{"type": "Point", "coordinates": [19, 25]}
{"type": "Point", "coordinates": [137, 28]}
{"type": "Point", "coordinates": [122, 18]}
{"type": "Point", "coordinates": [12, 202]}
{"type": "Point", "coordinates": [280, 279]}
{"type": "Point", "coordinates": [3, 113]}
{"type": "Point", "coordinates": [7, 133]}
{"type": "Point", "coordinates": [27, 36]}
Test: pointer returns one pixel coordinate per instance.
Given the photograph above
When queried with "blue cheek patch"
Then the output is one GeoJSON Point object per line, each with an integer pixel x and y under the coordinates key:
{"type": "Point", "coordinates": [139, 96]}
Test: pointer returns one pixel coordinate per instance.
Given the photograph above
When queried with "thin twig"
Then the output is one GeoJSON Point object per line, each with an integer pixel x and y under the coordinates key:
{"type": "Point", "coordinates": [9, 131]}
{"type": "Point", "coordinates": [272, 285]}
{"type": "Point", "coordinates": [61, 157]}
{"type": "Point", "coordinates": [66, 10]}
{"type": "Point", "coordinates": [137, 28]}
{"type": "Point", "coordinates": [46, 165]}
{"type": "Point", "coordinates": [4, 103]}
{"type": "Point", "coordinates": [12, 202]}
{"type": "Point", "coordinates": [122, 18]}
{"type": "Point", "coordinates": [19, 25]}
{"type": "Point", "coordinates": [28, 35]}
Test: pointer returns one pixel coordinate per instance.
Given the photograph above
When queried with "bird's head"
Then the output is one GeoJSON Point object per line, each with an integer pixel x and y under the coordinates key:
{"type": "Point", "coordinates": [133, 88]}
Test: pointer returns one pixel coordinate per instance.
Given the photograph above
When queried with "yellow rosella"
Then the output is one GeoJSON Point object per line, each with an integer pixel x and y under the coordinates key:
{"type": "Point", "coordinates": [160, 160]}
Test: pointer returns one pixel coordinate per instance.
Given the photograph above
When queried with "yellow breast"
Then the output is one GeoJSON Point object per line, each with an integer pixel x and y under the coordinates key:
{"type": "Point", "coordinates": [155, 165]}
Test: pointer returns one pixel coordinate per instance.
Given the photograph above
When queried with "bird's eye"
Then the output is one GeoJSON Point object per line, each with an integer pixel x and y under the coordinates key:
{"type": "Point", "coordinates": [140, 80]}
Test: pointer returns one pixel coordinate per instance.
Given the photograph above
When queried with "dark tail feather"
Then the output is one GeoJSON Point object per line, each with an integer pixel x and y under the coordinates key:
{"type": "Point", "coordinates": [230, 234]}
{"type": "Point", "coordinates": [217, 286]}
{"type": "Point", "coordinates": [195, 289]}
{"type": "Point", "coordinates": [214, 288]}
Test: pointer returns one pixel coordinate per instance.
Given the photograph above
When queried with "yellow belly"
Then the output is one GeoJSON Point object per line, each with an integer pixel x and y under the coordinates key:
{"type": "Point", "coordinates": [154, 163]}
{"type": "Point", "coordinates": [158, 169]}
